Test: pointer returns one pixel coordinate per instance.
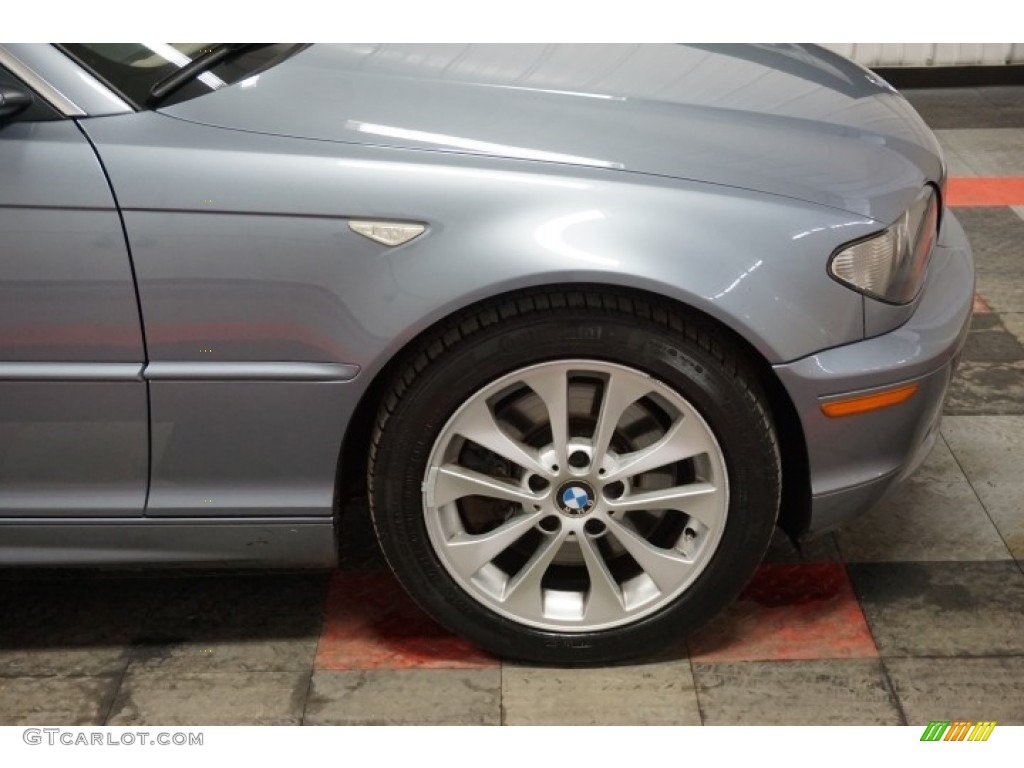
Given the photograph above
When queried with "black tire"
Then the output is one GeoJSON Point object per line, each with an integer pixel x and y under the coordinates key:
{"type": "Point", "coordinates": [689, 354]}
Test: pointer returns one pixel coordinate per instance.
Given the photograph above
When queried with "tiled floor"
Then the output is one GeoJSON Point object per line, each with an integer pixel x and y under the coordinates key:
{"type": "Point", "coordinates": [914, 613]}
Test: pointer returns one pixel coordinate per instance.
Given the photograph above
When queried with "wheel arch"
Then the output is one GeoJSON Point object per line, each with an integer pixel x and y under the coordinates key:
{"type": "Point", "coordinates": [794, 513]}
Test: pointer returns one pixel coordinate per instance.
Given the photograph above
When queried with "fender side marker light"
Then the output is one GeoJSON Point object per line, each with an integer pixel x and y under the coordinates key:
{"type": "Point", "coordinates": [850, 406]}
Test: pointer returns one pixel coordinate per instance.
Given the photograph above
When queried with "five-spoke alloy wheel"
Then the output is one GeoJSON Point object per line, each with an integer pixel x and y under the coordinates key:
{"type": "Point", "coordinates": [574, 483]}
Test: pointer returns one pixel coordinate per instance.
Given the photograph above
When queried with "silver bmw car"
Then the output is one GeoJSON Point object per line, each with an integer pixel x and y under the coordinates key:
{"type": "Point", "coordinates": [585, 323]}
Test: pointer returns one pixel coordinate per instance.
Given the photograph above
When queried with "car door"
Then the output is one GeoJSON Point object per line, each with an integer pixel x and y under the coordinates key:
{"type": "Point", "coordinates": [73, 404]}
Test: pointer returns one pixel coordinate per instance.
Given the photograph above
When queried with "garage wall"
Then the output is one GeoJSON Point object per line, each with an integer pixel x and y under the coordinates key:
{"type": "Point", "coordinates": [931, 54]}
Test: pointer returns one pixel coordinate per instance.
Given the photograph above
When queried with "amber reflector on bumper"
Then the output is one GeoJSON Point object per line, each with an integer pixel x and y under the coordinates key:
{"type": "Point", "coordinates": [865, 403]}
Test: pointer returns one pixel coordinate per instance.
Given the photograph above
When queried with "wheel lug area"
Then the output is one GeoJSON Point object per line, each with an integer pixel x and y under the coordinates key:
{"type": "Point", "coordinates": [537, 484]}
{"type": "Point", "coordinates": [595, 527]}
{"type": "Point", "coordinates": [550, 524]}
{"type": "Point", "coordinates": [614, 490]}
{"type": "Point", "coordinates": [579, 460]}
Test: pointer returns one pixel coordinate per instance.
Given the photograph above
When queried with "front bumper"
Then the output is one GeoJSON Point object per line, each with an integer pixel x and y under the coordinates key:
{"type": "Point", "coordinates": [855, 460]}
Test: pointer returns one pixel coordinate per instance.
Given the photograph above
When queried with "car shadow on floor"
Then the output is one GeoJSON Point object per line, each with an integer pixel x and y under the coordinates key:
{"type": "Point", "coordinates": [97, 621]}
{"type": "Point", "coordinates": [89, 622]}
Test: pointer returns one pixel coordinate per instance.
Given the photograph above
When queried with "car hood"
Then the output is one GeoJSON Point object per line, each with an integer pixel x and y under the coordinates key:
{"type": "Point", "coordinates": [796, 121]}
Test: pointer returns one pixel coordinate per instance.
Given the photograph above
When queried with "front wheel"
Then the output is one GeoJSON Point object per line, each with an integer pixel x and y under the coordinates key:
{"type": "Point", "coordinates": [574, 477]}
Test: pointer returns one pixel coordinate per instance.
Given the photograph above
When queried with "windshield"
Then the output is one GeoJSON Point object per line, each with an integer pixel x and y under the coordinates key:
{"type": "Point", "coordinates": [132, 69]}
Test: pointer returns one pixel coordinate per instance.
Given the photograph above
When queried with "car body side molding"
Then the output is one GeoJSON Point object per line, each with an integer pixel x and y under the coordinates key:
{"type": "Point", "coordinates": [45, 371]}
{"type": "Point", "coordinates": [178, 371]}
{"type": "Point", "coordinates": [249, 371]}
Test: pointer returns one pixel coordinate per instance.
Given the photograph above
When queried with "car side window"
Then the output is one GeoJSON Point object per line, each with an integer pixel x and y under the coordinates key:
{"type": "Point", "coordinates": [38, 110]}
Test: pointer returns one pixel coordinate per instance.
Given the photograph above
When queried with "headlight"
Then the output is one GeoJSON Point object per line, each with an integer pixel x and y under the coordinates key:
{"type": "Point", "coordinates": [890, 266]}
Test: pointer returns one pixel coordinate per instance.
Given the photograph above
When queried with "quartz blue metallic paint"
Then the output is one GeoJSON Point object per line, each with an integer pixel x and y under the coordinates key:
{"type": "Point", "coordinates": [188, 324]}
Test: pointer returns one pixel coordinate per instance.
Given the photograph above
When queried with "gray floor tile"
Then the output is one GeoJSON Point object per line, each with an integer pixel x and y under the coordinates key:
{"type": "Point", "coordinates": [997, 239]}
{"type": "Point", "coordinates": [1012, 116]}
{"type": "Point", "coordinates": [961, 98]}
{"type": "Point", "coordinates": [639, 694]}
{"type": "Point", "coordinates": [991, 451]}
{"type": "Point", "coordinates": [960, 689]}
{"type": "Point", "coordinates": [942, 134]}
{"type": "Point", "coordinates": [50, 657]}
{"type": "Point", "coordinates": [996, 160]}
{"type": "Point", "coordinates": [942, 609]}
{"type": "Point", "coordinates": [1003, 95]}
{"type": "Point", "coordinates": [174, 697]}
{"type": "Point", "coordinates": [59, 700]}
{"type": "Point", "coordinates": [1000, 294]}
{"type": "Point", "coordinates": [241, 655]}
{"type": "Point", "coordinates": [941, 117]}
{"type": "Point", "coordinates": [1014, 324]}
{"type": "Point", "coordinates": [987, 388]}
{"type": "Point", "coordinates": [997, 151]}
{"type": "Point", "coordinates": [405, 697]}
{"type": "Point", "coordinates": [954, 108]}
{"type": "Point", "coordinates": [935, 515]}
{"type": "Point", "coordinates": [1019, 210]}
{"type": "Point", "coordinates": [956, 165]}
{"type": "Point", "coordinates": [969, 108]}
{"type": "Point", "coordinates": [990, 342]}
{"type": "Point", "coordinates": [795, 693]}
{"type": "Point", "coordinates": [990, 339]}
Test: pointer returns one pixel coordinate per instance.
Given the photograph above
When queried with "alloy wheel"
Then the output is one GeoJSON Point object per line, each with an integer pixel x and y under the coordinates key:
{"type": "Point", "coordinates": [575, 495]}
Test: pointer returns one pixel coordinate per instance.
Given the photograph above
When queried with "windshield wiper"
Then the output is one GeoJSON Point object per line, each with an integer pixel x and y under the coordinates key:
{"type": "Point", "coordinates": [196, 67]}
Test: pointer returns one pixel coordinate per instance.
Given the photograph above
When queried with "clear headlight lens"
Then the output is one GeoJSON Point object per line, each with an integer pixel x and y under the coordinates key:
{"type": "Point", "coordinates": [891, 265]}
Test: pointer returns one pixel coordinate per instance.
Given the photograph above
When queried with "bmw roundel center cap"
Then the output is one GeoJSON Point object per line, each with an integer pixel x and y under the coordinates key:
{"type": "Point", "coordinates": [575, 498]}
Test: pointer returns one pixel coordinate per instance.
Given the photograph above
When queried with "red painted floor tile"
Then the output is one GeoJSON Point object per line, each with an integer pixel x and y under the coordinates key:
{"type": "Point", "coordinates": [789, 611]}
{"type": "Point", "coordinates": [985, 192]}
{"type": "Point", "coordinates": [372, 624]}
{"type": "Point", "coordinates": [980, 307]}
